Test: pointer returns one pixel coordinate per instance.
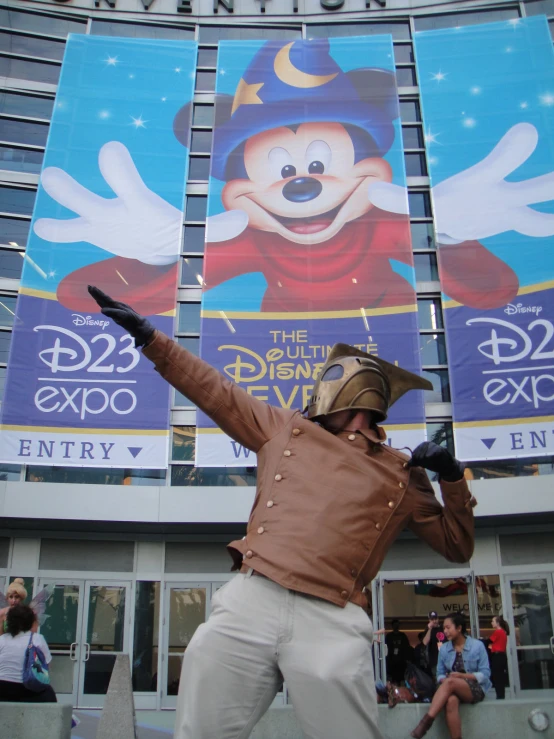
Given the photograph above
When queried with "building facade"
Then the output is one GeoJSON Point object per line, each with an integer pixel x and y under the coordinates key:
{"type": "Point", "coordinates": [133, 556]}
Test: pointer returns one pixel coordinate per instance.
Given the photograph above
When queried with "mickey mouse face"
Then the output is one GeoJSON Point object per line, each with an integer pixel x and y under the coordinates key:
{"type": "Point", "coordinates": [304, 184]}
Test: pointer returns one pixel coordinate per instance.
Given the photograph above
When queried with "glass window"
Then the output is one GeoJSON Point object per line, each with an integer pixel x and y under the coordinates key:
{"type": "Point", "coordinates": [212, 34]}
{"type": "Point", "coordinates": [7, 310]}
{"type": "Point", "coordinates": [399, 31]}
{"type": "Point", "coordinates": [213, 476]}
{"type": "Point", "coordinates": [139, 30]}
{"type": "Point", "coordinates": [29, 105]}
{"type": "Point", "coordinates": [187, 611]}
{"type": "Point", "coordinates": [196, 208]}
{"type": "Point", "coordinates": [489, 602]}
{"type": "Point", "coordinates": [94, 475]}
{"type": "Point", "coordinates": [203, 115]}
{"type": "Point", "coordinates": [24, 70]}
{"type": "Point", "coordinates": [405, 77]}
{"type": "Point", "coordinates": [432, 348]}
{"type": "Point", "coordinates": [48, 24]}
{"type": "Point", "coordinates": [191, 271]}
{"type": "Point", "coordinates": [17, 200]}
{"type": "Point", "coordinates": [199, 169]}
{"type": "Point", "coordinates": [5, 339]}
{"type": "Point", "coordinates": [193, 239]}
{"type": "Point", "coordinates": [201, 141]}
{"type": "Point", "coordinates": [207, 57]}
{"type": "Point", "coordinates": [412, 136]}
{"type": "Point", "coordinates": [441, 386]}
{"type": "Point", "coordinates": [423, 236]}
{"type": "Point", "coordinates": [20, 160]}
{"type": "Point", "coordinates": [205, 81]}
{"type": "Point", "coordinates": [189, 318]}
{"type": "Point", "coordinates": [426, 269]}
{"type": "Point", "coordinates": [16, 43]}
{"type": "Point", "coordinates": [429, 312]}
{"type": "Point", "coordinates": [180, 401]}
{"type": "Point", "coordinates": [10, 472]}
{"type": "Point", "coordinates": [403, 53]}
{"type": "Point", "coordinates": [539, 7]}
{"type": "Point", "coordinates": [23, 132]}
{"type": "Point", "coordinates": [415, 165]}
{"type": "Point", "coordinates": [3, 371]}
{"type": "Point", "coordinates": [409, 111]}
{"type": "Point", "coordinates": [441, 433]}
{"type": "Point", "coordinates": [190, 344]}
{"type": "Point", "coordinates": [11, 263]}
{"type": "Point", "coordinates": [419, 204]}
{"type": "Point", "coordinates": [145, 642]}
{"type": "Point", "coordinates": [184, 442]}
{"type": "Point", "coordinates": [511, 468]}
{"type": "Point", "coordinates": [452, 20]}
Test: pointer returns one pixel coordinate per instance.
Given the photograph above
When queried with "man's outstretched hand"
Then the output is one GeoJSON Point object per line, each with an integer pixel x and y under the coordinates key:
{"type": "Point", "coordinates": [436, 458]}
{"type": "Point", "coordinates": [124, 316]}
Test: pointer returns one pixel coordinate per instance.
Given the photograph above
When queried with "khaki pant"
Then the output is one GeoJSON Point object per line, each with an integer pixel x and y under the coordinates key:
{"type": "Point", "coordinates": [259, 634]}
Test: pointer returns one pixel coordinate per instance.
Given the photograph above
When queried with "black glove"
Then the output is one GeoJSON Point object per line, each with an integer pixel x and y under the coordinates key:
{"type": "Point", "coordinates": [124, 316]}
{"type": "Point", "coordinates": [437, 459]}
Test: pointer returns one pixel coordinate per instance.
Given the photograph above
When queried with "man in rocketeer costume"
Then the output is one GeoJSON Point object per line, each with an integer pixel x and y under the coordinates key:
{"type": "Point", "coordinates": [331, 499]}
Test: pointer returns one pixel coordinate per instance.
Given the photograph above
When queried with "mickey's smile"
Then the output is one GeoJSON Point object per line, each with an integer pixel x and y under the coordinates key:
{"type": "Point", "coordinates": [310, 224]}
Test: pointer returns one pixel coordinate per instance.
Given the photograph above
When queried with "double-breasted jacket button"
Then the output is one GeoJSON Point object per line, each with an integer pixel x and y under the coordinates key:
{"type": "Point", "coordinates": [269, 504]}
{"type": "Point", "coordinates": [287, 453]}
{"type": "Point", "coordinates": [278, 477]}
{"type": "Point", "coordinates": [378, 526]}
{"type": "Point", "coordinates": [391, 504]}
{"type": "Point", "coordinates": [295, 432]}
{"type": "Point", "coordinates": [401, 485]}
{"type": "Point", "coordinates": [249, 553]}
{"type": "Point", "coordinates": [405, 465]}
{"type": "Point", "coordinates": [352, 437]}
{"type": "Point", "coordinates": [344, 594]}
{"type": "Point", "coordinates": [353, 573]}
{"type": "Point", "coordinates": [261, 530]}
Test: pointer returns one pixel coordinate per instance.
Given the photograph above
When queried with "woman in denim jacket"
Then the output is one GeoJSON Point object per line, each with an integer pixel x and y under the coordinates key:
{"type": "Point", "coordinates": [463, 674]}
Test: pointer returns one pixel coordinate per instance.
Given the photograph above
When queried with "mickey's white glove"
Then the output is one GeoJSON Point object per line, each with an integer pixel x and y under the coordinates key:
{"type": "Point", "coordinates": [137, 224]}
{"type": "Point", "coordinates": [478, 202]}
{"type": "Point", "coordinates": [389, 197]}
{"type": "Point", "coordinates": [225, 226]}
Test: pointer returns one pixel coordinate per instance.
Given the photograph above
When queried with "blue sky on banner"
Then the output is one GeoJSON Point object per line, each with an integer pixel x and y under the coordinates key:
{"type": "Point", "coordinates": [143, 83]}
{"type": "Point", "coordinates": [477, 82]}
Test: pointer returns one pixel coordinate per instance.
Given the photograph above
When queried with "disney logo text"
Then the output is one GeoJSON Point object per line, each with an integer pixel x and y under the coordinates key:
{"type": "Point", "coordinates": [79, 320]}
{"type": "Point", "coordinates": [512, 309]}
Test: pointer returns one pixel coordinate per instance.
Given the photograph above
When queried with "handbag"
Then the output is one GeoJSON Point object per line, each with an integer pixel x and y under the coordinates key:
{"type": "Point", "coordinates": [35, 668]}
{"type": "Point", "coordinates": [419, 681]}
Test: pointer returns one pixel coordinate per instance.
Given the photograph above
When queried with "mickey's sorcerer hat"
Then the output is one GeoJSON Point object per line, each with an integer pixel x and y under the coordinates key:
{"type": "Point", "coordinates": [289, 83]}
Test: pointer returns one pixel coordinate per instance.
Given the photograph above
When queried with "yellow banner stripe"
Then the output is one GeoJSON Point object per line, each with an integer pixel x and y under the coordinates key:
{"type": "Point", "coordinates": [58, 430]}
{"type": "Point", "coordinates": [527, 290]}
{"type": "Point", "coordinates": [360, 313]}
{"type": "Point", "coordinates": [504, 422]}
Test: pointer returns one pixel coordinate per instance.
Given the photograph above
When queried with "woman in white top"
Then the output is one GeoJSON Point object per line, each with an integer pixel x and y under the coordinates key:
{"type": "Point", "coordinates": [13, 644]}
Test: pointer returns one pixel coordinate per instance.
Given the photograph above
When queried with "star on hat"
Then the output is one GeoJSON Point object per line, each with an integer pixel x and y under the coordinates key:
{"type": "Point", "coordinates": [246, 94]}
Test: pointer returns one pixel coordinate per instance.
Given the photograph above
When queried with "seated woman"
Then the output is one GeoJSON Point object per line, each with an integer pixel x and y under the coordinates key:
{"type": "Point", "coordinates": [13, 645]}
{"type": "Point", "coordinates": [463, 674]}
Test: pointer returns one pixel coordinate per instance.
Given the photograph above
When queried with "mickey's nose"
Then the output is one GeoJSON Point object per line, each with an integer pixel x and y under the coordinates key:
{"type": "Point", "coordinates": [302, 189]}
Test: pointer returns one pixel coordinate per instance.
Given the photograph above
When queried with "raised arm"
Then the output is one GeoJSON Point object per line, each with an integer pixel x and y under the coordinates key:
{"type": "Point", "coordinates": [244, 418]}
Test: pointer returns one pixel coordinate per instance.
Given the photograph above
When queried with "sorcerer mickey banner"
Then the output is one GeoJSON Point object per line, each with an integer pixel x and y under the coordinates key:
{"type": "Point", "coordinates": [297, 255]}
{"type": "Point", "coordinates": [487, 94]}
{"type": "Point", "coordinates": [109, 212]}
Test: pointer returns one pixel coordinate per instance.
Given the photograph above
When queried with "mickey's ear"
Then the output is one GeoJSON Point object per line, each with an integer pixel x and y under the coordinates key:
{"type": "Point", "coordinates": [223, 108]}
{"type": "Point", "coordinates": [377, 86]}
{"type": "Point", "coordinates": [181, 124]}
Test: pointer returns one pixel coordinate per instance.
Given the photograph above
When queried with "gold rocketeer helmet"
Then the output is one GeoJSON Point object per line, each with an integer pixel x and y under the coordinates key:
{"type": "Point", "coordinates": [353, 380]}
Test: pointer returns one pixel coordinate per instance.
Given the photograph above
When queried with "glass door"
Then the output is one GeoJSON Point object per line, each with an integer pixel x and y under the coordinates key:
{"type": "Point", "coordinates": [530, 617]}
{"type": "Point", "coordinates": [61, 627]}
{"type": "Point", "coordinates": [185, 608]}
{"type": "Point", "coordinates": [106, 611]}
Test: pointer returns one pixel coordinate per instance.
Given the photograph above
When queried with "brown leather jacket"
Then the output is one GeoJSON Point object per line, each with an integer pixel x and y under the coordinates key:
{"type": "Point", "coordinates": [327, 507]}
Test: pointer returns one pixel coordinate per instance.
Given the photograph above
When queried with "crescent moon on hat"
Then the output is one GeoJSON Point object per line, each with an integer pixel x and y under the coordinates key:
{"type": "Point", "coordinates": [290, 75]}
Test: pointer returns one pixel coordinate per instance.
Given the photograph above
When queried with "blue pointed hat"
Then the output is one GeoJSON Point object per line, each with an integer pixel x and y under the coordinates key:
{"type": "Point", "coordinates": [297, 82]}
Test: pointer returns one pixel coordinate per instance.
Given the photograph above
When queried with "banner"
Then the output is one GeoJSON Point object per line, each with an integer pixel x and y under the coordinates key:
{"type": "Point", "coordinates": [487, 94]}
{"type": "Point", "coordinates": [109, 212]}
{"type": "Point", "coordinates": [297, 256]}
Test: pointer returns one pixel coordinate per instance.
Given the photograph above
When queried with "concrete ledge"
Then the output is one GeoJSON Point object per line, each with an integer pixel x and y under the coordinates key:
{"type": "Point", "coordinates": [494, 719]}
{"type": "Point", "coordinates": [26, 720]}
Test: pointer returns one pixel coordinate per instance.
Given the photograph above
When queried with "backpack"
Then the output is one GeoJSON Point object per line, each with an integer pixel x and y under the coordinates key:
{"type": "Point", "coordinates": [35, 669]}
{"type": "Point", "coordinates": [419, 681]}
